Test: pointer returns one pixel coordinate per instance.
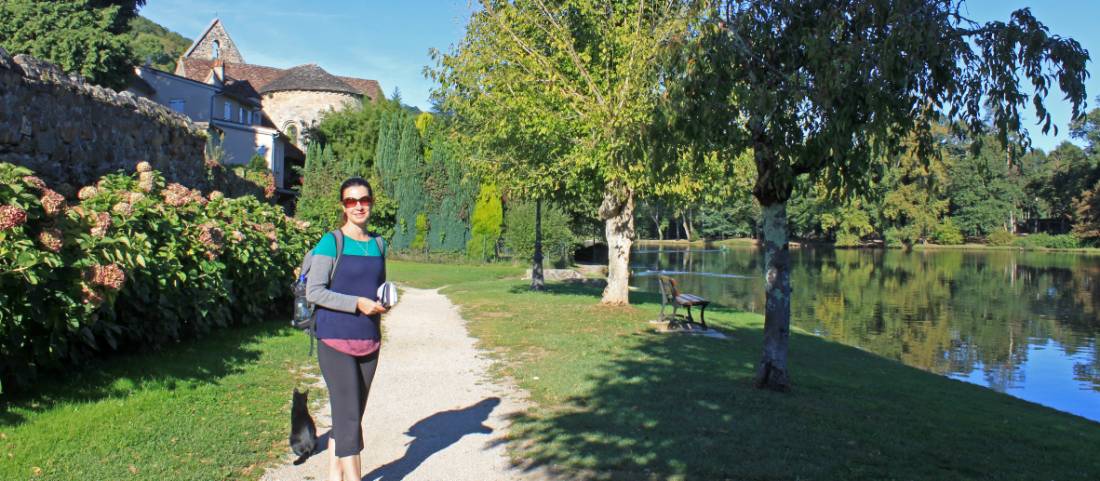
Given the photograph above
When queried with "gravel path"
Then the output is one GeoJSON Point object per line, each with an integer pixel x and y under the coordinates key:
{"type": "Point", "coordinates": [433, 412]}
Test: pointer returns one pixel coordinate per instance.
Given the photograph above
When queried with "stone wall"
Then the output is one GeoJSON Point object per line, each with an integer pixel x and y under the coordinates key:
{"type": "Point", "coordinates": [303, 107]}
{"type": "Point", "coordinates": [70, 131]}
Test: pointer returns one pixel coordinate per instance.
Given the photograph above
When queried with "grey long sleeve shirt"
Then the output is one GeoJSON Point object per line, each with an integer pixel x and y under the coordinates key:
{"type": "Point", "coordinates": [317, 290]}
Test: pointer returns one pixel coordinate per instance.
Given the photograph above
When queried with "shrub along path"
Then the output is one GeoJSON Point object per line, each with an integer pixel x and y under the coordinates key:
{"type": "Point", "coordinates": [432, 413]}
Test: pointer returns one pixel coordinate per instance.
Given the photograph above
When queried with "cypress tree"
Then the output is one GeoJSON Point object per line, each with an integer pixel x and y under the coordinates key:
{"type": "Point", "coordinates": [486, 221]}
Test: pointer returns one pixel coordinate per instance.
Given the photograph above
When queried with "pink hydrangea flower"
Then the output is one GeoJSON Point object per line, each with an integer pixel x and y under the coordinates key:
{"type": "Point", "coordinates": [110, 276]}
{"type": "Point", "coordinates": [86, 193]}
{"type": "Point", "coordinates": [52, 202]}
{"type": "Point", "coordinates": [51, 239]}
{"type": "Point", "coordinates": [34, 182]}
{"type": "Point", "coordinates": [11, 216]}
{"type": "Point", "coordinates": [102, 223]}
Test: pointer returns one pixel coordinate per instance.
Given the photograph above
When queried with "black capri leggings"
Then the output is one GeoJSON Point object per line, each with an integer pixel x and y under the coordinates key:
{"type": "Point", "coordinates": [348, 379]}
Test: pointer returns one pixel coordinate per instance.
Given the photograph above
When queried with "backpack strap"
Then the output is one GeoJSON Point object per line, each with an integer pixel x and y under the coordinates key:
{"type": "Point", "coordinates": [339, 236]}
{"type": "Point", "coordinates": [381, 247]}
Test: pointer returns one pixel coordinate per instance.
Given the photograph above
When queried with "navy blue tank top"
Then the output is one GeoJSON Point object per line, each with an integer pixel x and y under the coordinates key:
{"type": "Point", "coordinates": [362, 268]}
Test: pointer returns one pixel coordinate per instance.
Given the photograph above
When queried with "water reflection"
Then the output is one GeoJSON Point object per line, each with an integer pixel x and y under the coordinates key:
{"type": "Point", "coordinates": [1021, 323]}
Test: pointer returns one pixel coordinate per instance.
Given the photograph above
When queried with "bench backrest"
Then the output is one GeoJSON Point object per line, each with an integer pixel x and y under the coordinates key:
{"type": "Point", "coordinates": [668, 288]}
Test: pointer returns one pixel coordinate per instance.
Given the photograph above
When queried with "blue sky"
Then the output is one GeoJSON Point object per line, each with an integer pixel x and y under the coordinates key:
{"type": "Point", "coordinates": [388, 40]}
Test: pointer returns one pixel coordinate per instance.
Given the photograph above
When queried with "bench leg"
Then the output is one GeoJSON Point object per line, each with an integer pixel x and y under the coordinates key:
{"type": "Point", "coordinates": [690, 319]}
{"type": "Point", "coordinates": [702, 315]}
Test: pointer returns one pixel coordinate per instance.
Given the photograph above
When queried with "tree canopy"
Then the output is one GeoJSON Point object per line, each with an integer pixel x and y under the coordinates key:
{"type": "Point", "coordinates": [824, 88]}
{"type": "Point", "coordinates": [81, 36]}
{"type": "Point", "coordinates": [561, 96]}
{"type": "Point", "coordinates": [152, 42]}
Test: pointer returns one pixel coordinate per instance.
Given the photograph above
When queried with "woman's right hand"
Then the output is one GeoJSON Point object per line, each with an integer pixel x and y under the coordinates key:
{"type": "Point", "coordinates": [369, 307]}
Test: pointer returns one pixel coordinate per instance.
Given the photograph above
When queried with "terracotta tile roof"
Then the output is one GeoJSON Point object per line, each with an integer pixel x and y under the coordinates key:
{"type": "Point", "coordinates": [370, 88]}
{"type": "Point", "coordinates": [258, 76]}
{"type": "Point", "coordinates": [242, 90]}
{"type": "Point", "coordinates": [308, 77]}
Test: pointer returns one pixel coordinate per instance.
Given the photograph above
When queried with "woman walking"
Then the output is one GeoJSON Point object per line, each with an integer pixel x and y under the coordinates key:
{"type": "Point", "coordinates": [347, 317]}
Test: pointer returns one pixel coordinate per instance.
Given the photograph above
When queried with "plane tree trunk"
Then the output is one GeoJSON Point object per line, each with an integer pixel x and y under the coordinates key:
{"type": "Point", "coordinates": [617, 213]}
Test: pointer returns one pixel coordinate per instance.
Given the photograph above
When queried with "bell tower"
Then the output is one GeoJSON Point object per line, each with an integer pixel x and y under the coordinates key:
{"type": "Point", "coordinates": [215, 44]}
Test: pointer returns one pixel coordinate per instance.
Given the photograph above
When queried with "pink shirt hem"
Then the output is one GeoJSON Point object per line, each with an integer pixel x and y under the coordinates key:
{"type": "Point", "coordinates": [353, 347]}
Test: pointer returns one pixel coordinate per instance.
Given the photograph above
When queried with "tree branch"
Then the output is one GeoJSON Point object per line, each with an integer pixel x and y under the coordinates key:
{"type": "Point", "coordinates": [573, 54]}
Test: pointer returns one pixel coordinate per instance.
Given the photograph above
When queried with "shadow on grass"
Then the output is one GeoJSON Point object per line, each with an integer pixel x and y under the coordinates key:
{"type": "Point", "coordinates": [586, 288]}
{"type": "Point", "coordinates": [179, 366]}
{"type": "Point", "coordinates": [595, 290]}
{"type": "Point", "coordinates": [684, 407]}
{"type": "Point", "coordinates": [433, 434]}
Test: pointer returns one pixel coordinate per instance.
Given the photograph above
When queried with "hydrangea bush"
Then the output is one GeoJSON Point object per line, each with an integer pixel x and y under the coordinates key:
{"type": "Point", "coordinates": [132, 263]}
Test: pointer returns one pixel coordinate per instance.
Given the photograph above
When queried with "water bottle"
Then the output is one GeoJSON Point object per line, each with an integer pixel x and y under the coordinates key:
{"type": "Point", "coordinates": [302, 310]}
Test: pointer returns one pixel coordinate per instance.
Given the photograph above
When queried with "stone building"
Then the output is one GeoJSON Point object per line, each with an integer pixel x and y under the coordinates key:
{"type": "Point", "coordinates": [253, 108]}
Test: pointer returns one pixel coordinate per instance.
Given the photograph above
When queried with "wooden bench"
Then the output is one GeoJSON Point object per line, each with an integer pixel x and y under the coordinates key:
{"type": "Point", "coordinates": [670, 295]}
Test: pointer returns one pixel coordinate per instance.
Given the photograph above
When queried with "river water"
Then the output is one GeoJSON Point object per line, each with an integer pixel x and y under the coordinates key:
{"type": "Point", "coordinates": [1022, 323]}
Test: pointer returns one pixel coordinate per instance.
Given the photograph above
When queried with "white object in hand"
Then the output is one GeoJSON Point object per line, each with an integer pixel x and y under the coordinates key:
{"type": "Point", "coordinates": [387, 294]}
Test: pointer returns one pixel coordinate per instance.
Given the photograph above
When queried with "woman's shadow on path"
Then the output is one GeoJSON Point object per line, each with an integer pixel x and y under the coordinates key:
{"type": "Point", "coordinates": [433, 434]}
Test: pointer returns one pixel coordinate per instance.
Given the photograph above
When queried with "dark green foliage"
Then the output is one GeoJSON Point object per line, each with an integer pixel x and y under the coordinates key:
{"type": "Point", "coordinates": [519, 232]}
{"type": "Point", "coordinates": [452, 191]}
{"type": "Point", "coordinates": [156, 44]}
{"type": "Point", "coordinates": [735, 219]}
{"type": "Point", "coordinates": [127, 11]}
{"type": "Point", "coordinates": [352, 134]}
{"type": "Point", "coordinates": [74, 34]}
{"type": "Point", "coordinates": [400, 164]}
{"type": "Point", "coordinates": [319, 196]}
{"type": "Point", "coordinates": [486, 221]}
{"type": "Point", "coordinates": [984, 191]}
{"type": "Point", "coordinates": [1067, 172]}
{"type": "Point", "coordinates": [425, 175]}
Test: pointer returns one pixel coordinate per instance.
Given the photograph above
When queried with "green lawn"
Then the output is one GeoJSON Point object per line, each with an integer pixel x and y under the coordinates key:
{"type": "Point", "coordinates": [614, 400]}
{"type": "Point", "coordinates": [202, 410]}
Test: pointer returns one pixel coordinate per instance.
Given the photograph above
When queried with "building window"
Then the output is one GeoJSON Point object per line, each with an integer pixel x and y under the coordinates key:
{"type": "Point", "coordinates": [177, 105]}
{"type": "Point", "coordinates": [215, 51]}
{"type": "Point", "coordinates": [240, 115]}
{"type": "Point", "coordinates": [227, 114]}
{"type": "Point", "coordinates": [248, 118]}
{"type": "Point", "coordinates": [292, 134]}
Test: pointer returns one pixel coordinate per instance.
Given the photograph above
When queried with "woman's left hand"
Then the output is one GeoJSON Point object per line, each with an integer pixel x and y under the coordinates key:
{"type": "Point", "coordinates": [369, 307]}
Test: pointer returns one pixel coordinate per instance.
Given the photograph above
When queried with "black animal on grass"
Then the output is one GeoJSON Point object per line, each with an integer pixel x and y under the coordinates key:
{"type": "Point", "coordinates": [303, 433]}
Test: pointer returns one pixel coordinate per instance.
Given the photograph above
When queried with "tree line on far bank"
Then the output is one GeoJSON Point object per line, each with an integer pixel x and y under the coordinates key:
{"type": "Point", "coordinates": [973, 189]}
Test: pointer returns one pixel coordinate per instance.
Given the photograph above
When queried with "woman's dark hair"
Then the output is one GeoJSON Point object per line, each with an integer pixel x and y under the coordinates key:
{"type": "Point", "coordinates": [353, 181]}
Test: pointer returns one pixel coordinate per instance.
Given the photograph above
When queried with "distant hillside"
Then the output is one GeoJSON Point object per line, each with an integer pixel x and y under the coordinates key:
{"type": "Point", "coordinates": [159, 45]}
